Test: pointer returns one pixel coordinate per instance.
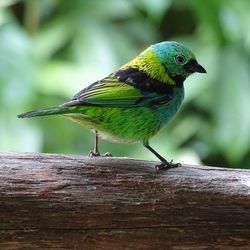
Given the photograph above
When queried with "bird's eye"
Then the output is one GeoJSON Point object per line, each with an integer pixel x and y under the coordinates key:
{"type": "Point", "coordinates": [180, 59]}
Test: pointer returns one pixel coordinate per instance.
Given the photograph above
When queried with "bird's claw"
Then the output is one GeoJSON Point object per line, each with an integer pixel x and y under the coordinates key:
{"type": "Point", "coordinates": [93, 154]}
{"type": "Point", "coordinates": [167, 165]}
{"type": "Point", "coordinates": [97, 154]}
{"type": "Point", "coordinates": [107, 154]}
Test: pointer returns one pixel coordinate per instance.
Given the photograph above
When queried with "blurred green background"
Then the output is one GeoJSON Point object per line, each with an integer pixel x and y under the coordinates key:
{"type": "Point", "coordinates": [51, 49]}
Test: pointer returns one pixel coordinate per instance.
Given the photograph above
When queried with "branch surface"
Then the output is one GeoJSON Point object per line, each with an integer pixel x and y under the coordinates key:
{"type": "Point", "coordinates": [73, 202]}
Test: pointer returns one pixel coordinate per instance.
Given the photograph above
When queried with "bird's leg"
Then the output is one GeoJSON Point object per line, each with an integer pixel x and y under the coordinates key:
{"type": "Point", "coordinates": [95, 152]}
{"type": "Point", "coordinates": [164, 163]}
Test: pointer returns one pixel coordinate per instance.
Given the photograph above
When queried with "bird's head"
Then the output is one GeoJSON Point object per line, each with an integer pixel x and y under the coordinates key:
{"type": "Point", "coordinates": [178, 61]}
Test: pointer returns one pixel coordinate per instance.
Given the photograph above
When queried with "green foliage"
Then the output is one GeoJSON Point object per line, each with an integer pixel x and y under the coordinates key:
{"type": "Point", "coordinates": [51, 49]}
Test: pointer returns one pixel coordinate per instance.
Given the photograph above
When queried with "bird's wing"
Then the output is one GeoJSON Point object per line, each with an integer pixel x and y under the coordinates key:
{"type": "Point", "coordinates": [115, 91]}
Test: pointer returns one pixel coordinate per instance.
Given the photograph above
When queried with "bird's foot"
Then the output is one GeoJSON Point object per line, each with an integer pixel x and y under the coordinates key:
{"type": "Point", "coordinates": [167, 165]}
{"type": "Point", "coordinates": [94, 154]}
{"type": "Point", "coordinates": [97, 154]}
{"type": "Point", "coordinates": [107, 154]}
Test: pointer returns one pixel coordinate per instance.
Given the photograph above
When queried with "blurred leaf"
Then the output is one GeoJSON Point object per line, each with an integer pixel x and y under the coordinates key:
{"type": "Point", "coordinates": [17, 74]}
{"type": "Point", "coordinates": [232, 131]}
{"type": "Point", "coordinates": [5, 3]}
{"type": "Point", "coordinates": [156, 9]}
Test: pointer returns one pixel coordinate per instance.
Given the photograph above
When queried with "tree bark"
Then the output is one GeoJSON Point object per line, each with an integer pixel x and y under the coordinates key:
{"type": "Point", "coordinates": [50, 201]}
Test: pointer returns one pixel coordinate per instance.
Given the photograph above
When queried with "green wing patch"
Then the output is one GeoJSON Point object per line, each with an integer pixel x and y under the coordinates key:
{"type": "Point", "coordinates": [108, 92]}
{"type": "Point", "coordinates": [113, 91]}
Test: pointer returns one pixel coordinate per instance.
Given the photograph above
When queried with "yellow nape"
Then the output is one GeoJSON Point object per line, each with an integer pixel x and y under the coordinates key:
{"type": "Point", "coordinates": [148, 62]}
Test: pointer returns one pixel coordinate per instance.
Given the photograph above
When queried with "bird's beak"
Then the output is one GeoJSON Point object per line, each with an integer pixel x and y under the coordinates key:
{"type": "Point", "coordinates": [193, 66]}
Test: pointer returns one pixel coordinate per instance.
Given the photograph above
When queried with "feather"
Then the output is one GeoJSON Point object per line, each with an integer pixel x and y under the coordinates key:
{"type": "Point", "coordinates": [125, 88]}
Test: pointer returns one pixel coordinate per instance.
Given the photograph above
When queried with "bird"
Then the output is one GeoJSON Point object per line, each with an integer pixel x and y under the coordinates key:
{"type": "Point", "coordinates": [134, 102]}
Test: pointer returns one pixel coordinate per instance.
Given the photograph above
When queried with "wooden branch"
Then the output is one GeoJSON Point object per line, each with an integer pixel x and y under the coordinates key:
{"type": "Point", "coordinates": [72, 202]}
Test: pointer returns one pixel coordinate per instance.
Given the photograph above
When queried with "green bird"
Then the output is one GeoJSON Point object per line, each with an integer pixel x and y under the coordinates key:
{"type": "Point", "coordinates": [133, 103]}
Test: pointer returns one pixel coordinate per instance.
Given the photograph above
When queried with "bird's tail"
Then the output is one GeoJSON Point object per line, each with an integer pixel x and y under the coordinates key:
{"type": "Point", "coordinates": [48, 111]}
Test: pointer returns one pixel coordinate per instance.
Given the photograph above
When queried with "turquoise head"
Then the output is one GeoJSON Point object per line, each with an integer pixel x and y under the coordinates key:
{"type": "Point", "coordinates": [178, 61]}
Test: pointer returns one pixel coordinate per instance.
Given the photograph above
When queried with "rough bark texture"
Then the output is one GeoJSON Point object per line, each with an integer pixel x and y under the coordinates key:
{"type": "Point", "coordinates": [70, 202]}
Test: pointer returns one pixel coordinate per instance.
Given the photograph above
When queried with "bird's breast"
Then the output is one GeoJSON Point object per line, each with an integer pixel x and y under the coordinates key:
{"type": "Point", "coordinates": [169, 109]}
